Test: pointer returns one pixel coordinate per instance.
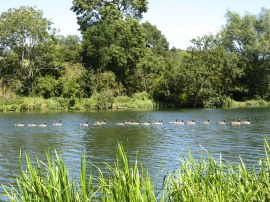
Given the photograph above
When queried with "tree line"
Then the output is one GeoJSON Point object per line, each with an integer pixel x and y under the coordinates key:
{"type": "Point", "coordinates": [117, 55]}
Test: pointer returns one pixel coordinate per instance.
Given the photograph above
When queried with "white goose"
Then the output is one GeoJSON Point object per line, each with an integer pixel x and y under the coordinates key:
{"type": "Point", "coordinates": [206, 122]}
{"type": "Point", "coordinates": [222, 122]}
{"type": "Point", "coordinates": [236, 123]}
{"type": "Point", "coordinates": [120, 123]}
{"type": "Point", "coordinates": [19, 124]}
{"type": "Point", "coordinates": [177, 122]}
{"type": "Point", "coordinates": [32, 124]}
{"type": "Point", "coordinates": [192, 122]}
{"type": "Point", "coordinates": [173, 122]}
{"type": "Point", "coordinates": [245, 122]}
{"type": "Point", "coordinates": [160, 122]}
{"type": "Point", "coordinates": [135, 123]}
{"type": "Point", "coordinates": [42, 125]}
{"type": "Point", "coordinates": [99, 123]}
{"type": "Point", "coordinates": [58, 124]}
{"type": "Point", "coordinates": [84, 124]}
{"type": "Point", "coordinates": [146, 123]}
{"type": "Point", "coordinates": [180, 122]}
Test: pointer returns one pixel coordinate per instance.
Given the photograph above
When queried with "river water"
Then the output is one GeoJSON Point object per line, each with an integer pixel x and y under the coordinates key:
{"type": "Point", "coordinates": [160, 148]}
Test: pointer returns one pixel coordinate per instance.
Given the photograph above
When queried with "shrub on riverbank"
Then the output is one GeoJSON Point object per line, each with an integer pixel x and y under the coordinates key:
{"type": "Point", "coordinates": [196, 180]}
{"type": "Point", "coordinates": [137, 101]}
{"type": "Point", "coordinates": [103, 100]}
{"type": "Point", "coordinates": [33, 104]}
{"type": "Point", "coordinates": [229, 103]}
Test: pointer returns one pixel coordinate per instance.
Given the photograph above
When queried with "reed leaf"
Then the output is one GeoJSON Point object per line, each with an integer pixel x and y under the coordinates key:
{"type": "Point", "coordinates": [203, 179]}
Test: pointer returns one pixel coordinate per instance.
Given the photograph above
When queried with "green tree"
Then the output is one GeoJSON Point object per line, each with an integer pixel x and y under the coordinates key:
{"type": "Point", "coordinates": [113, 39]}
{"type": "Point", "coordinates": [201, 76]}
{"type": "Point", "coordinates": [70, 82]}
{"type": "Point", "coordinates": [249, 37]}
{"type": "Point", "coordinates": [87, 84]}
{"type": "Point", "coordinates": [155, 39]}
{"type": "Point", "coordinates": [115, 46]}
{"type": "Point", "coordinates": [90, 12]}
{"type": "Point", "coordinates": [150, 67]}
{"type": "Point", "coordinates": [46, 87]}
{"type": "Point", "coordinates": [25, 43]}
{"type": "Point", "coordinates": [212, 71]}
{"type": "Point", "coordinates": [169, 87]}
{"type": "Point", "coordinates": [68, 49]}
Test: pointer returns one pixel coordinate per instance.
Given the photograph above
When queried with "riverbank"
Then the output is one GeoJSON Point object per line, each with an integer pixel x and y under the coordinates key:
{"type": "Point", "coordinates": [229, 103]}
{"type": "Point", "coordinates": [205, 179]}
{"type": "Point", "coordinates": [96, 102]}
{"type": "Point", "coordinates": [100, 101]}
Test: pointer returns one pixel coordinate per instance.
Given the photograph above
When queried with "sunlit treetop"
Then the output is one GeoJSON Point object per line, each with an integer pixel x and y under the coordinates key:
{"type": "Point", "coordinates": [89, 12]}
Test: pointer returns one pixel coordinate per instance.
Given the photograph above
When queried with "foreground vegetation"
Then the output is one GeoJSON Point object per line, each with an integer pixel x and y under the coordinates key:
{"type": "Point", "coordinates": [196, 180]}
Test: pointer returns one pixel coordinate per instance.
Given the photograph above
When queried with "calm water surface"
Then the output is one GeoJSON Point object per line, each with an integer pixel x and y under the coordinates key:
{"type": "Point", "coordinates": [158, 147]}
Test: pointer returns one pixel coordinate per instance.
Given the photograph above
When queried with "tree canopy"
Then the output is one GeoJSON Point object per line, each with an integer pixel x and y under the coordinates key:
{"type": "Point", "coordinates": [91, 12]}
{"type": "Point", "coordinates": [24, 41]}
{"type": "Point", "coordinates": [119, 55]}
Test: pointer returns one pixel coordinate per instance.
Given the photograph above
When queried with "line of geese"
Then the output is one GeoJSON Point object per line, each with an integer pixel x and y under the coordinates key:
{"type": "Point", "coordinates": [160, 122]}
{"type": "Point", "coordinates": [86, 124]}
{"type": "Point", "coordinates": [98, 123]}
{"type": "Point", "coordinates": [182, 122]}
{"type": "Point", "coordinates": [36, 125]}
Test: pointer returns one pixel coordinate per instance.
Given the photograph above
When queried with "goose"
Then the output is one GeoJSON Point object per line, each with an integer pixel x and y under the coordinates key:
{"type": "Point", "coordinates": [174, 122]}
{"type": "Point", "coordinates": [246, 122]}
{"type": "Point", "coordinates": [146, 123]}
{"type": "Point", "coordinates": [58, 124]}
{"type": "Point", "coordinates": [236, 123]}
{"type": "Point", "coordinates": [32, 124]}
{"type": "Point", "coordinates": [135, 123]}
{"type": "Point", "coordinates": [103, 122]}
{"type": "Point", "coordinates": [84, 124]}
{"type": "Point", "coordinates": [98, 123]}
{"type": "Point", "coordinates": [192, 122]}
{"type": "Point", "coordinates": [160, 122]}
{"type": "Point", "coordinates": [121, 123]}
{"type": "Point", "coordinates": [180, 122]}
{"type": "Point", "coordinates": [222, 122]}
{"type": "Point", "coordinates": [177, 122]}
{"type": "Point", "coordinates": [206, 122]}
{"type": "Point", "coordinates": [42, 125]}
{"type": "Point", "coordinates": [19, 124]}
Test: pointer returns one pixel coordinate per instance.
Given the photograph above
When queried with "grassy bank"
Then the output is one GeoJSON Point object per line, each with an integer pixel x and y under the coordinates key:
{"type": "Point", "coordinates": [196, 180]}
{"type": "Point", "coordinates": [97, 101]}
{"type": "Point", "coordinates": [229, 103]}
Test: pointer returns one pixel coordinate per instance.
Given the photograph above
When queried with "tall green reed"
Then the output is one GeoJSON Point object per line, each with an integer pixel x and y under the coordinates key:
{"type": "Point", "coordinates": [211, 180]}
{"type": "Point", "coordinates": [126, 182]}
{"type": "Point", "coordinates": [204, 179]}
{"type": "Point", "coordinates": [52, 182]}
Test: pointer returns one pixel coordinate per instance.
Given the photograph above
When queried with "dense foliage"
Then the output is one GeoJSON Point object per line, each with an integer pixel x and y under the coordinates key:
{"type": "Point", "coordinates": [118, 55]}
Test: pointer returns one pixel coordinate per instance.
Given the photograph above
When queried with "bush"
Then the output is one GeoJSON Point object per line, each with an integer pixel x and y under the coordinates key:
{"type": "Point", "coordinates": [104, 99]}
{"type": "Point", "coordinates": [45, 87]}
{"type": "Point", "coordinates": [89, 104]}
{"type": "Point", "coordinates": [53, 104]}
{"type": "Point", "coordinates": [137, 101]}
